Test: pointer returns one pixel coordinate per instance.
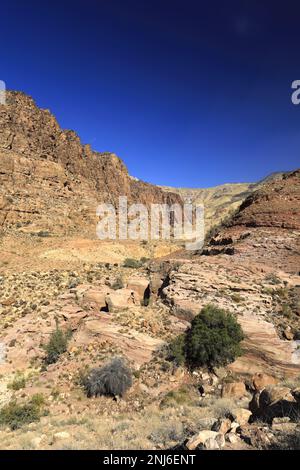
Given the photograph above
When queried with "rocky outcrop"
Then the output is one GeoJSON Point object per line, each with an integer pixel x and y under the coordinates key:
{"type": "Point", "coordinates": [266, 228]}
{"type": "Point", "coordinates": [49, 181]}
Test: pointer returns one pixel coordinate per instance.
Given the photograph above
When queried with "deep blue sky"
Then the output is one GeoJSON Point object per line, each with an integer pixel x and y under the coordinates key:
{"type": "Point", "coordinates": [187, 93]}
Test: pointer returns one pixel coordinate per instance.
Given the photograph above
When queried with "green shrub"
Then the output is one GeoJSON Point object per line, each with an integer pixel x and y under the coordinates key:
{"type": "Point", "coordinates": [16, 415]}
{"type": "Point", "coordinates": [38, 399]}
{"type": "Point", "coordinates": [131, 263]}
{"type": "Point", "coordinates": [213, 339]}
{"type": "Point", "coordinates": [57, 345]}
{"type": "Point", "coordinates": [43, 234]}
{"type": "Point", "coordinates": [18, 382]}
{"type": "Point", "coordinates": [176, 350]}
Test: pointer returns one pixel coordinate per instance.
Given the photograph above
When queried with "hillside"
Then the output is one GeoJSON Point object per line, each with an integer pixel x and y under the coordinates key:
{"type": "Point", "coordinates": [50, 182]}
{"type": "Point", "coordinates": [220, 202]}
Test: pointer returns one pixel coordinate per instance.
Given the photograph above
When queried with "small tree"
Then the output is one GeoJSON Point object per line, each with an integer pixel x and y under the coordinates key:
{"type": "Point", "coordinates": [112, 379]}
{"type": "Point", "coordinates": [57, 345]}
{"type": "Point", "coordinates": [213, 339]}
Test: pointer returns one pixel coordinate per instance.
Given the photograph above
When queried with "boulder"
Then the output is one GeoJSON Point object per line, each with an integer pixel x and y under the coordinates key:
{"type": "Point", "coordinates": [260, 381]}
{"type": "Point", "coordinates": [222, 426]}
{"type": "Point", "coordinates": [274, 401]}
{"type": "Point", "coordinates": [96, 298]}
{"type": "Point", "coordinates": [241, 415]}
{"type": "Point", "coordinates": [234, 390]}
{"type": "Point", "coordinates": [211, 444]}
{"type": "Point", "coordinates": [139, 285]}
{"type": "Point", "coordinates": [232, 438]}
{"type": "Point", "coordinates": [120, 299]}
{"type": "Point", "coordinates": [200, 438]}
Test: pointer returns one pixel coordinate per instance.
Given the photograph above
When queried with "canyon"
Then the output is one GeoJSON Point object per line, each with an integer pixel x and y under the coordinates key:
{"type": "Point", "coordinates": [53, 271]}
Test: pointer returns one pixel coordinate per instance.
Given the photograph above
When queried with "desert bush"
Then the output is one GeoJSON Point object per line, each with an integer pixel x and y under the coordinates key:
{"type": "Point", "coordinates": [43, 234]}
{"type": "Point", "coordinates": [213, 339]}
{"type": "Point", "coordinates": [182, 396]}
{"type": "Point", "coordinates": [17, 415]}
{"type": "Point", "coordinates": [286, 441]}
{"type": "Point", "coordinates": [113, 379]}
{"type": "Point", "coordinates": [118, 283]}
{"type": "Point", "coordinates": [271, 278]}
{"type": "Point", "coordinates": [18, 382]}
{"type": "Point", "coordinates": [57, 345]}
{"type": "Point", "coordinates": [176, 350]}
{"type": "Point", "coordinates": [132, 263]}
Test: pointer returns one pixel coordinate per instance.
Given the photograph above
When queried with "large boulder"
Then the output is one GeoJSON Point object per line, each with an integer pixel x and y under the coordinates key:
{"type": "Point", "coordinates": [140, 286]}
{"type": "Point", "coordinates": [95, 298]}
{"type": "Point", "coordinates": [241, 415]}
{"type": "Point", "coordinates": [200, 438]}
{"type": "Point", "coordinates": [274, 401]}
{"type": "Point", "coordinates": [234, 390]}
{"type": "Point", "coordinates": [261, 381]}
{"type": "Point", "coordinates": [120, 299]}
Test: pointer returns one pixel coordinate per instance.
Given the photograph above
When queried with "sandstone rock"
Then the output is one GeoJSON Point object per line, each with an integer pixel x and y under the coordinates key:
{"type": "Point", "coordinates": [234, 390]}
{"type": "Point", "coordinates": [211, 444]}
{"type": "Point", "coordinates": [139, 285]}
{"type": "Point", "coordinates": [222, 426]}
{"type": "Point", "coordinates": [96, 298]}
{"type": "Point", "coordinates": [232, 438]}
{"type": "Point", "coordinates": [288, 334]}
{"type": "Point", "coordinates": [241, 415]}
{"type": "Point", "coordinates": [67, 180]}
{"type": "Point", "coordinates": [273, 394]}
{"type": "Point", "coordinates": [284, 427]}
{"type": "Point", "coordinates": [61, 436]}
{"type": "Point", "coordinates": [200, 438]}
{"type": "Point", "coordinates": [220, 439]}
{"type": "Point", "coordinates": [261, 380]}
{"type": "Point", "coordinates": [120, 300]}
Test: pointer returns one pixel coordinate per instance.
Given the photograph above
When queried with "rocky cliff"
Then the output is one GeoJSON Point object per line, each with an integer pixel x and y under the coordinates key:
{"type": "Point", "coordinates": [266, 227]}
{"type": "Point", "coordinates": [50, 181]}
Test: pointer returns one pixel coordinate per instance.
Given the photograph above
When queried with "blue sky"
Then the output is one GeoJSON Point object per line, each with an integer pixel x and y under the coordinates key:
{"type": "Point", "coordinates": [187, 93]}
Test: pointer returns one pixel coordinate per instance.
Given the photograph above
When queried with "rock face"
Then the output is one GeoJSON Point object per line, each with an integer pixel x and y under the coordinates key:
{"type": "Point", "coordinates": [266, 226]}
{"type": "Point", "coordinates": [49, 181]}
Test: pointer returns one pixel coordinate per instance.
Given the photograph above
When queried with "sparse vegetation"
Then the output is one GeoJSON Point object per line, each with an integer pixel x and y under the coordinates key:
{"type": "Point", "coordinates": [132, 263]}
{"type": "Point", "coordinates": [113, 379]}
{"type": "Point", "coordinates": [57, 345]}
{"type": "Point", "coordinates": [118, 284]}
{"type": "Point", "coordinates": [18, 382]}
{"type": "Point", "coordinates": [17, 415]}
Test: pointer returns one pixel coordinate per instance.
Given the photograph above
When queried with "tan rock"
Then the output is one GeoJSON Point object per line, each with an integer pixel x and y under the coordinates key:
{"type": "Point", "coordinates": [261, 380]}
{"type": "Point", "coordinates": [96, 297]}
{"type": "Point", "coordinates": [200, 438]}
{"type": "Point", "coordinates": [241, 415]}
{"type": "Point", "coordinates": [139, 285]}
{"type": "Point", "coordinates": [222, 426]}
{"type": "Point", "coordinates": [61, 436]}
{"type": "Point", "coordinates": [120, 299]}
{"type": "Point", "coordinates": [234, 390]}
